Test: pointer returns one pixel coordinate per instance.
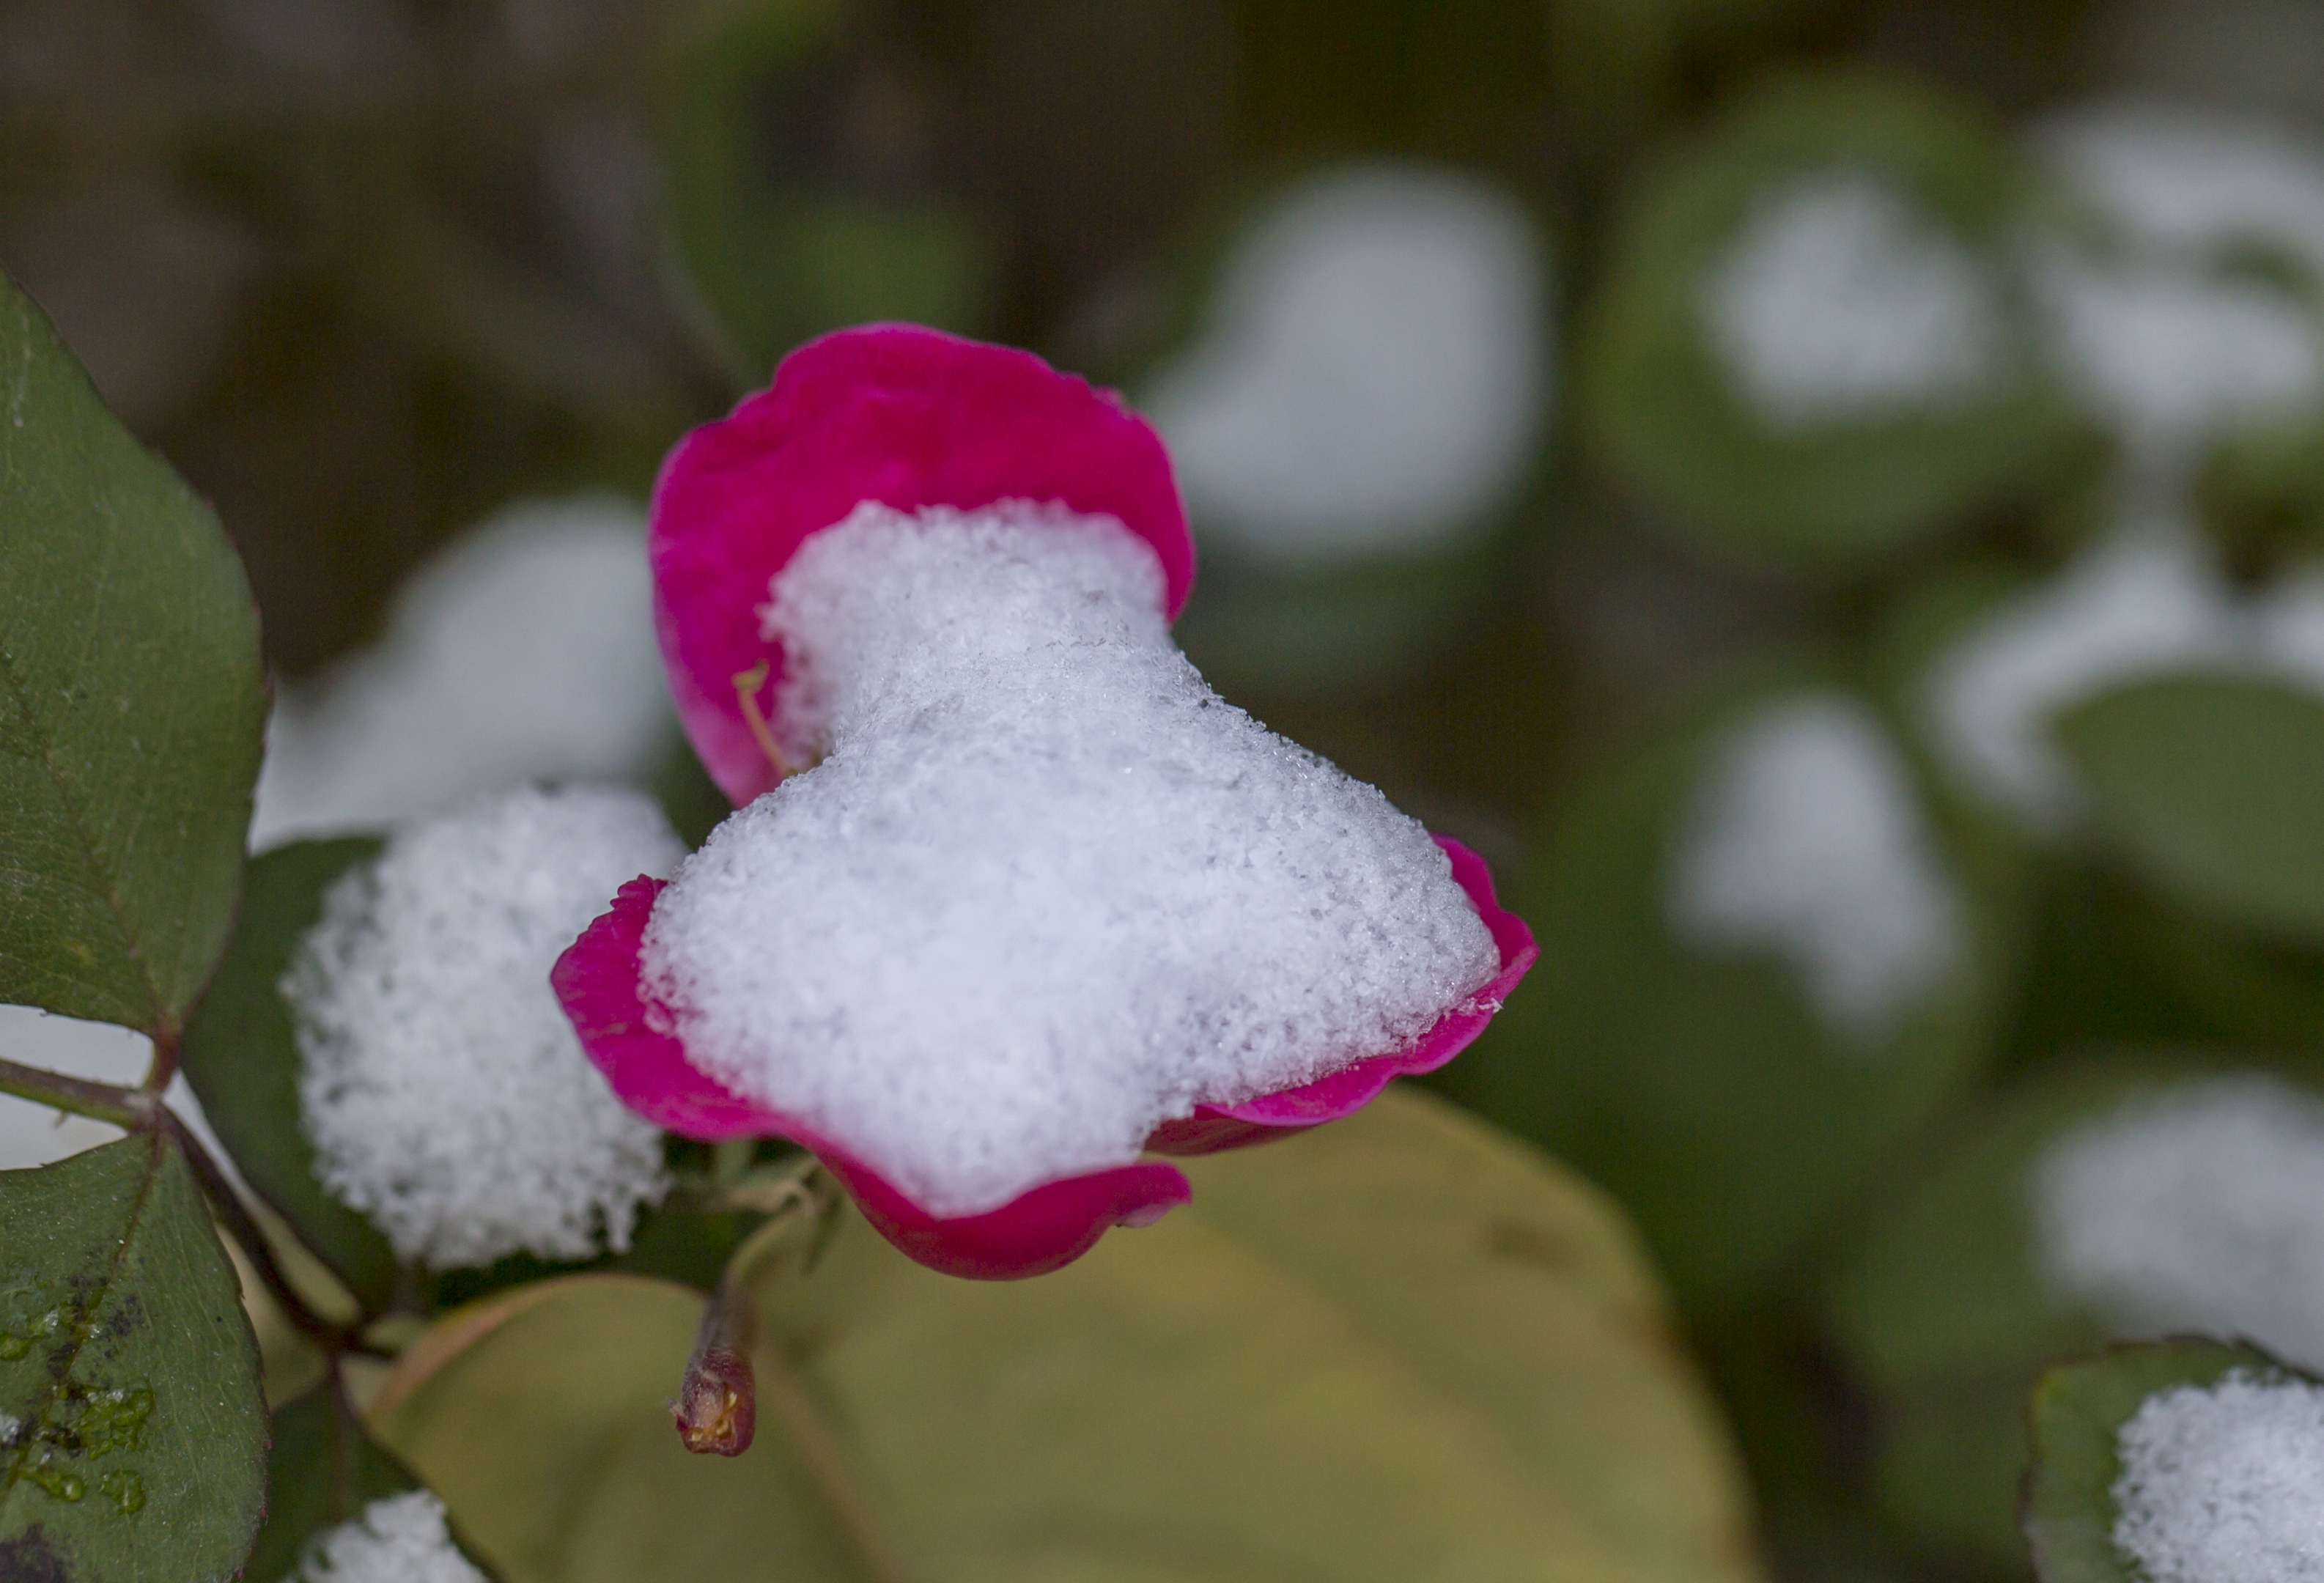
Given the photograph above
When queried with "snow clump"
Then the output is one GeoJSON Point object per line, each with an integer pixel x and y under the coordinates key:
{"type": "Point", "coordinates": [2164, 342]}
{"type": "Point", "coordinates": [1838, 301]}
{"type": "Point", "coordinates": [524, 651]}
{"type": "Point", "coordinates": [447, 1095]}
{"type": "Point", "coordinates": [1373, 375]}
{"type": "Point", "coordinates": [1045, 891]}
{"type": "Point", "coordinates": [1807, 839]}
{"type": "Point", "coordinates": [2197, 1209]}
{"type": "Point", "coordinates": [2224, 1484]}
{"type": "Point", "coordinates": [399, 1539]}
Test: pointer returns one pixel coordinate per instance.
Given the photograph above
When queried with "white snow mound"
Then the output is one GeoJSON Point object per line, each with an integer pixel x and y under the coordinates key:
{"type": "Point", "coordinates": [447, 1095]}
{"type": "Point", "coordinates": [1045, 889]}
{"type": "Point", "coordinates": [399, 1539]}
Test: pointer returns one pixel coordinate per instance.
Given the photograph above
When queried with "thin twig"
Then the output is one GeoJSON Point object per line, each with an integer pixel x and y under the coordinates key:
{"type": "Point", "coordinates": [126, 1108]}
{"type": "Point", "coordinates": [332, 1337]}
{"type": "Point", "coordinates": [164, 1064]}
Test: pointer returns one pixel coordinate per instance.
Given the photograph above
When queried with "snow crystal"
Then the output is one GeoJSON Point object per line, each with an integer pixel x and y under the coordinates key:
{"type": "Point", "coordinates": [2201, 1209]}
{"type": "Point", "coordinates": [525, 651]}
{"type": "Point", "coordinates": [2146, 602]}
{"type": "Point", "coordinates": [1372, 378]}
{"type": "Point", "coordinates": [447, 1095]}
{"type": "Point", "coordinates": [1837, 300]}
{"type": "Point", "coordinates": [1808, 839]}
{"type": "Point", "coordinates": [2224, 1484]}
{"type": "Point", "coordinates": [1045, 889]}
{"type": "Point", "coordinates": [399, 1539]}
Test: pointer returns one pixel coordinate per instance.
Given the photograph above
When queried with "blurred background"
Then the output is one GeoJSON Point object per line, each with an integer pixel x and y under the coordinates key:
{"type": "Point", "coordinates": [1829, 498]}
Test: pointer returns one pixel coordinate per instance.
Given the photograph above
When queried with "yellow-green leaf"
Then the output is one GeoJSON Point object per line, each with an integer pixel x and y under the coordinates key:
{"type": "Point", "coordinates": [1400, 1346]}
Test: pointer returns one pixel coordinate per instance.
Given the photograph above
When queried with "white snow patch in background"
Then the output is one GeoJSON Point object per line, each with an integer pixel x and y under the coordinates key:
{"type": "Point", "coordinates": [1047, 889]}
{"type": "Point", "coordinates": [2170, 358]}
{"type": "Point", "coordinates": [2162, 345]}
{"type": "Point", "coordinates": [1807, 839]}
{"type": "Point", "coordinates": [1838, 301]}
{"type": "Point", "coordinates": [2186, 178]}
{"type": "Point", "coordinates": [2201, 1208]}
{"type": "Point", "coordinates": [1373, 374]}
{"type": "Point", "coordinates": [2224, 1484]}
{"type": "Point", "coordinates": [2148, 601]}
{"type": "Point", "coordinates": [2143, 602]}
{"type": "Point", "coordinates": [445, 1094]}
{"type": "Point", "coordinates": [526, 650]}
{"type": "Point", "coordinates": [399, 1539]}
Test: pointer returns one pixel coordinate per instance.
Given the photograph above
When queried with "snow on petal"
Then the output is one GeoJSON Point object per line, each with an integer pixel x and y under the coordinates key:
{"type": "Point", "coordinates": [1807, 839]}
{"type": "Point", "coordinates": [2199, 1209]}
{"type": "Point", "coordinates": [444, 1091]}
{"type": "Point", "coordinates": [398, 1539]}
{"type": "Point", "coordinates": [1045, 891]}
{"type": "Point", "coordinates": [524, 651]}
{"type": "Point", "coordinates": [1373, 374]}
{"type": "Point", "coordinates": [2224, 1483]}
{"type": "Point", "coordinates": [1837, 300]}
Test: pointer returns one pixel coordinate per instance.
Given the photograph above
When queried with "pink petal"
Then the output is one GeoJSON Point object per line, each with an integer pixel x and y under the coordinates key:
{"type": "Point", "coordinates": [893, 413]}
{"type": "Point", "coordinates": [628, 1039]}
{"type": "Point", "coordinates": [1213, 1128]}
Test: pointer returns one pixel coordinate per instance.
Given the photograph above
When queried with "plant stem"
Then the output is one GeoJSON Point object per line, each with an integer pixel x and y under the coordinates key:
{"type": "Point", "coordinates": [332, 1337]}
{"type": "Point", "coordinates": [164, 1064]}
{"type": "Point", "coordinates": [126, 1108]}
{"type": "Point", "coordinates": [818, 1448]}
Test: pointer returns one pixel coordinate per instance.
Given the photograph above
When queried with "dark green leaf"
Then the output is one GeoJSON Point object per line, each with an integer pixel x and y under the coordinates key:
{"type": "Point", "coordinates": [132, 705]}
{"type": "Point", "coordinates": [135, 1442]}
{"type": "Point", "coordinates": [1652, 394]}
{"type": "Point", "coordinates": [242, 1057]}
{"type": "Point", "coordinates": [1400, 1347]}
{"type": "Point", "coordinates": [1701, 1088]}
{"type": "Point", "coordinates": [2078, 1412]}
{"type": "Point", "coordinates": [1943, 1315]}
{"type": "Point", "coordinates": [2214, 787]}
{"type": "Point", "coordinates": [323, 1470]}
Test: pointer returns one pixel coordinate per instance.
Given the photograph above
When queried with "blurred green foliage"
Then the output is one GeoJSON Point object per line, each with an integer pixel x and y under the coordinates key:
{"type": "Point", "coordinates": [364, 277]}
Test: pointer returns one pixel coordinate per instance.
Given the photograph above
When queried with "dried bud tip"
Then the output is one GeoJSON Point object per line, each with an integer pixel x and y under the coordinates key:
{"type": "Point", "coordinates": [716, 1411]}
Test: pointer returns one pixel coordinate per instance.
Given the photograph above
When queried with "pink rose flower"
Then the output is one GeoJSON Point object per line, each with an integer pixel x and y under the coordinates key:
{"type": "Point", "coordinates": [908, 418]}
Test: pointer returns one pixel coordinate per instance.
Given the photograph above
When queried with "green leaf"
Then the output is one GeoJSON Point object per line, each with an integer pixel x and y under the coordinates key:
{"type": "Point", "coordinates": [132, 705]}
{"type": "Point", "coordinates": [1398, 1347]}
{"type": "Point", "coordinates": [241, 1054]}
{"type": "Point", "coordinates": [1651, 391]}
{"type": "Point", "coordinates": [134, 1428]}
{"type": "Point", "coordinates": [2210, 784]}
{"type": "Point", "coordinates": [2078, 1412]}
{"type": "Point", "coordinates": [1941, 1314]}
{"type": "Point", "coordinates": [1700, 1086]}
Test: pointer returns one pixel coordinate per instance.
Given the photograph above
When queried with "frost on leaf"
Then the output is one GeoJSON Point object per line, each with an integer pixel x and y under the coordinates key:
{"type": "Point", "coordinates": [1045, 889]}
{"type": "Point", "coordinates": [446, 1096]}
